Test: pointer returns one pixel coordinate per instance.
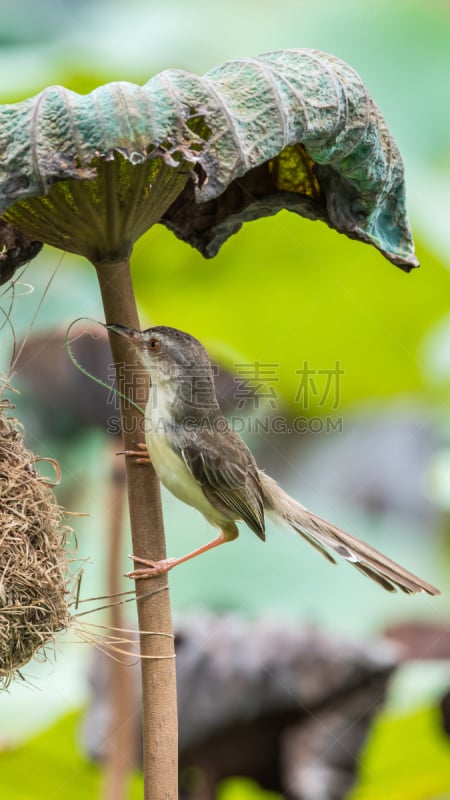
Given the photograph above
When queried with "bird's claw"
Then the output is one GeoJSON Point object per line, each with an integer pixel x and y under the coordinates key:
{"type": "Point", "coordinates": [141, 455]}
{"type": "Point", "coordinates": [152, 568]}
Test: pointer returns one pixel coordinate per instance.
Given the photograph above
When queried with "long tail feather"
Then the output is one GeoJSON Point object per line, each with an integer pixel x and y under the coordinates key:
{"type": "Point", "coordinates": [325, 536]}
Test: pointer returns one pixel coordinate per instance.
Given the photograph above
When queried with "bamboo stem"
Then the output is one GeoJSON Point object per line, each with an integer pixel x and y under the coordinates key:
{"type": "Point", "coordinates": [159, 702]}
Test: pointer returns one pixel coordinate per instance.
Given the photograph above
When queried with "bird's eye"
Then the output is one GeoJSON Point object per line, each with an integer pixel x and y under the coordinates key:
{"type": "Point", "coordinates": [154, 344]}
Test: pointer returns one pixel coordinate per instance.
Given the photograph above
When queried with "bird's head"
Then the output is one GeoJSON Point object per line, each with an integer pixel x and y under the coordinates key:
{"type": "Point", "coordinates": [172, 356]}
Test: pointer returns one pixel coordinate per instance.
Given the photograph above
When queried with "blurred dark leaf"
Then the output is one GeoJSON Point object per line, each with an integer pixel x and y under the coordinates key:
{"type": "Point", "coordinates": [421, 640]}
{"type": "Point", "coordinates": [63, 398]}
{"type": "Point", "coordinates": [277, 702]}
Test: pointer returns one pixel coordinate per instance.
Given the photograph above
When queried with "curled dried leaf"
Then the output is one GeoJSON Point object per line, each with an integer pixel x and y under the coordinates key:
{"type": "Point", "coordinates": [16, 248]}
{"type": "Point", "coordinates": [293, 129]}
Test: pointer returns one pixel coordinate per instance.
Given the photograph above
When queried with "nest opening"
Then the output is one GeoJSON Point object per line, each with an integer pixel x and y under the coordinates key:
{"type": "Point", "coordinates": [35, 584]}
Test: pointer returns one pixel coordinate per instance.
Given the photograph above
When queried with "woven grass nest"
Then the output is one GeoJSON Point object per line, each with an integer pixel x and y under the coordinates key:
{"type": "Point", "coordinates": [35, 585]}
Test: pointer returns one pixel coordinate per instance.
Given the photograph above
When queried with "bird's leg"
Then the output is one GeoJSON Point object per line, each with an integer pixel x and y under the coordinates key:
{"type": "Point", "coordinates": [142, 456]}
{"type": "Point", "coordinates": [154, 568]}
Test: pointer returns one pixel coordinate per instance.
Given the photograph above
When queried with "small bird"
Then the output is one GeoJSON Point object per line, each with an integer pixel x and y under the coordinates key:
{"type": "Point", "coordinates": [203, 462]}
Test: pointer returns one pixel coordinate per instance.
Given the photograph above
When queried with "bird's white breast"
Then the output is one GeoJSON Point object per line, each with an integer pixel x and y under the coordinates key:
{"type": "Point", "coordinates": [169, 466]}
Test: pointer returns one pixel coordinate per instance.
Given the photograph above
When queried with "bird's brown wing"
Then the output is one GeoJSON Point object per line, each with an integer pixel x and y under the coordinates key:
{"type": "Point", "coordinates": [229, 479]}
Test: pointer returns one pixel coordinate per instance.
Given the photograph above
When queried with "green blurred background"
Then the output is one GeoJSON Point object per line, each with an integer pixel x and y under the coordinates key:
{"type": "Point", "coordinates": [283, 291]}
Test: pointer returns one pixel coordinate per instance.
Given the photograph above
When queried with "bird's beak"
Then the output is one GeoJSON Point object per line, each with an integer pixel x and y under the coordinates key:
{"type": "Point", "coordinates": [129, 333]}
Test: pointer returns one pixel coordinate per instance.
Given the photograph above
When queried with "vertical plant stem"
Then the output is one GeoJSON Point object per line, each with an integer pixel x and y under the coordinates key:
{"type": "Point", "coordinates": [124, 722]}
{"type": "Point", "coordinates": [159, 701]}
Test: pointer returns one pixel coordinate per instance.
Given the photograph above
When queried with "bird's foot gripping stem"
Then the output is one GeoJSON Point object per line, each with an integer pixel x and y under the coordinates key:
{"type": "Point", "coordinates": [141, 455]}
{"type": "Point", "coordinates": [154, 568]}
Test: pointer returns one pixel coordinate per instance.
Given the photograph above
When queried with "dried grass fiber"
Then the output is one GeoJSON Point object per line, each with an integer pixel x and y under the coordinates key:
{"type": "Point", "coordinates": [34, 579]}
